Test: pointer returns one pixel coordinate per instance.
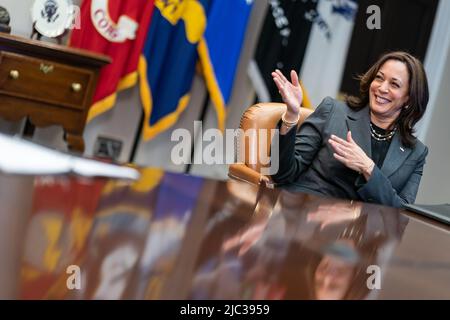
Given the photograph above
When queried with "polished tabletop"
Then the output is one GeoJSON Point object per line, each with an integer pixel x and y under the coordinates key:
{"type": "Point", "coordinates": [175, 236]}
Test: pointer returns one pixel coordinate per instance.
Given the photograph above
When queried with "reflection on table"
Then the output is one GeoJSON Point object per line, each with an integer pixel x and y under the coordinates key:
{"type": "Point", "coordinates": [174, 236]}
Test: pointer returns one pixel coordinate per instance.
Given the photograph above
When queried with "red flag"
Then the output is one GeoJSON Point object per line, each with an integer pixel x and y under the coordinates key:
{"type": "Point", "coordinates": [117, 29]}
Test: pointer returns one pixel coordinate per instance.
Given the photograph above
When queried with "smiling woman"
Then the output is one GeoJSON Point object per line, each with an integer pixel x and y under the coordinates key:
{"type": "Point", "coordinates": [399, 83]}
{"type": "Point", "coordinates": [389, 93]}
{"type": "Point", "coordinates": [356, 150]}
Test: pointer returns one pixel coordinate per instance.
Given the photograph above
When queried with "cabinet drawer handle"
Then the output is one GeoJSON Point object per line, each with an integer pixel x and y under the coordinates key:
{"type": "Point", "coordinates": [76, 87]}
{"type": "Point", "coordinates": [14, 74]}
{"type": "Point", "coordinates": [46, 68]}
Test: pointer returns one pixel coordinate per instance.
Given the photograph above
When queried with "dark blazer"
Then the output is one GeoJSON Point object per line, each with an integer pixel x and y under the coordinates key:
{"type": "Point", "coordinates": [306, 161]}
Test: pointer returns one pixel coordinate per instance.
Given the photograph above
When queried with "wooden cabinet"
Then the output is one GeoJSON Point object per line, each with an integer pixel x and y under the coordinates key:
{"type": "Point", "coordinates": [48, 84]}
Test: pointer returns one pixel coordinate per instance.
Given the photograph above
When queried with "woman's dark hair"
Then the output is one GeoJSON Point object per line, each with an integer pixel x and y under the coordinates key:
{"type": "Point", "coordinates": [418, 93]}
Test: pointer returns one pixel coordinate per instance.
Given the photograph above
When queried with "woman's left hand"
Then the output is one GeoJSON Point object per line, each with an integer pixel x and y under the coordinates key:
{"type": "Point", "coordinates": [351, 155]}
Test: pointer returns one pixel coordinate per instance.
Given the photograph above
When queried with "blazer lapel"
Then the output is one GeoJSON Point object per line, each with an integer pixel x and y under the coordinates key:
{"type": "Point", "coordinates": [358, 124]}
{"type": "Point", "coordinates": [396, 155]}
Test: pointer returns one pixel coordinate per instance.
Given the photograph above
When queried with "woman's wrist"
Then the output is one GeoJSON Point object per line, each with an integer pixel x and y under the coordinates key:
{"type": "Point", "coordinates": [290, 116]}
{"type": "Point", "coordinates": [284, 129]}
{"type": "Point", "coordinates": [287, 123]}
{"type": "Point", "coordinates": [367, 170]}
{"type": "Point", "coordinates": [290, 120]}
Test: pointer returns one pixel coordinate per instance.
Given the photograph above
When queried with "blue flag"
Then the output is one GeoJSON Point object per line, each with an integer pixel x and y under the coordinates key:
{"type": "Point", "coordinates": [220, 49]}
{"type": "Point", "coordinates": [167, 65]}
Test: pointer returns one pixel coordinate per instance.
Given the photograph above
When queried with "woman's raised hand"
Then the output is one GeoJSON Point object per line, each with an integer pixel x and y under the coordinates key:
{"type": "Point", "coordinates": [290, 91]}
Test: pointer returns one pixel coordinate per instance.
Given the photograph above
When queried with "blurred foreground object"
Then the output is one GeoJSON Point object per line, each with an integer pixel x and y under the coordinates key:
{"type": "Point", "coordinates": [24, 157]}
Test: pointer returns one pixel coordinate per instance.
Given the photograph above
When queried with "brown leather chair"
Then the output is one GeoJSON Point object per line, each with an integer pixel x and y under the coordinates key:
{"type": "Point", "coordinates": [258, 116]}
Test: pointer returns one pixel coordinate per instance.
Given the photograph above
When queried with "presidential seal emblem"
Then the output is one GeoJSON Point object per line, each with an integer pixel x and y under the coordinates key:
{"type": "Point", "coordinates": [51, 18]}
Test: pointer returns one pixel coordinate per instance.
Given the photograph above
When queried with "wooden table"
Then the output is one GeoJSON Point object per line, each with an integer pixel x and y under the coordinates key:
{"type": "Point", "coordinates": [48, 84]}
{"type": "Point", "coordinates": [174, 236]}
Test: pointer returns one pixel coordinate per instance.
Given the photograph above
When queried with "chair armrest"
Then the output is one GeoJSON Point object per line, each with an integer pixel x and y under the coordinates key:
{"type": "Point", "coordinates": [241, 172]}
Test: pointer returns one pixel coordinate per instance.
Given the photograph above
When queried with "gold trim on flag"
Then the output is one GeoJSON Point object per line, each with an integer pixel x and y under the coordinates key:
{"type": "Point", "coordinates": [212, 84]}
{"type": "Point", "coordinates": [150, 131]}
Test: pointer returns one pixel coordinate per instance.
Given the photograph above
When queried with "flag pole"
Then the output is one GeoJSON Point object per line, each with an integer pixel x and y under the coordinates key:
{"type": "Point", "coordinates": [206, 101]}
{"type": "Point", "coordinates": [137, 138]}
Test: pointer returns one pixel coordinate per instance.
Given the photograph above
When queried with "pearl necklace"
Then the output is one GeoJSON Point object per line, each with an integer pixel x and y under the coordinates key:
{"type": "Point", "coordinates": [381, 137]}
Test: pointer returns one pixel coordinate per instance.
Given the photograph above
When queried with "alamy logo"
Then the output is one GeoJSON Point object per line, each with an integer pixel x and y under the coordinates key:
{"type": "Point", "coordinates": [73, 282]}
{"type": "Point", "coordinates": [374, 280]}
{"type": "Point", "coordinates": [374, 21]}
{"type": "Point", "coordinates": [249, 146]}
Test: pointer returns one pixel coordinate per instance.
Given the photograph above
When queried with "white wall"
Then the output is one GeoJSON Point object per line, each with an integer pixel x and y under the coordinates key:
{"type": "Point", "coordinates": [435, 185]}
{"type": "Point", "coordinates": [433, 129]}
{"type": "Point", "coordinates": [20, 25]}
{"type": "Point", "coordinates": [20, 14]}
